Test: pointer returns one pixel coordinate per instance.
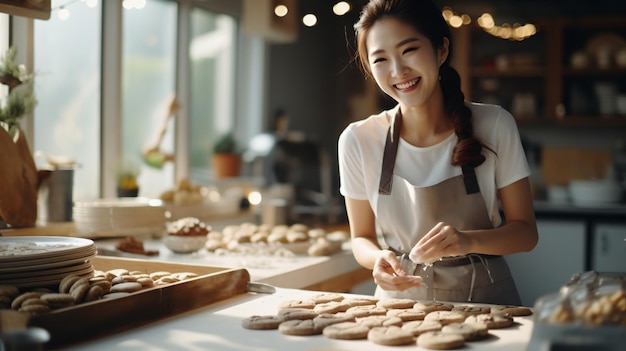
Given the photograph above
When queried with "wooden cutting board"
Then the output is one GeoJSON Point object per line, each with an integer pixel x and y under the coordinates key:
{"type": "Point", "coordinates": [560, 165]}
{"type": "Point", "coordinates": [107, 316]}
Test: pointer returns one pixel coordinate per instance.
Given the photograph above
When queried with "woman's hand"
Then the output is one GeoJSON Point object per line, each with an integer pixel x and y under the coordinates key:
{"type": "Point", "coordinates": [442, 240]}
{"type": "Point", "coordinates": [390, 276]}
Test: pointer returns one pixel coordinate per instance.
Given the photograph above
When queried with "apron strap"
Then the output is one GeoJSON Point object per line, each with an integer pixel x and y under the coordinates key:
{"type": "Point", "coordinates": [470, 180]}
{"type": "Point", "coordinates": [389, 155]}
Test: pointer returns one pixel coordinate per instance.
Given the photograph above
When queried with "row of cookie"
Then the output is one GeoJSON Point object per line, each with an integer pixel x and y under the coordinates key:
{"type": "Point", "coordinates": [334, 302]}
{"type": "Point", "coordinates": [232, 235]}
{"type": "Point", "coordinates": [124, 282]}
{"type": "Point", "coordinates": [438, 327]}
{"type": "Point", "coordinates": [405, 310]}
{"type": "Point", "coordinates": [75, 289]}
{"type": "Point", "coordinates": [387, 321]}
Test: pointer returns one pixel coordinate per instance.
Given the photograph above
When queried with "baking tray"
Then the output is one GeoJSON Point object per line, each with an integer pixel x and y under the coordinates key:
{"type": "Point", "coordinates": [108, 316]}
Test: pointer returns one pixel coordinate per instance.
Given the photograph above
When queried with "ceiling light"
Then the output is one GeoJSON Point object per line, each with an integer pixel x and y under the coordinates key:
{"type": "Point", "coordinates": [281, 10]}
{"type": "Point", "coordinates": [341, 8]}
{"type": "Point", "coordinates": [63, 14]}
{"type": "Point", "coordinates": [309, 20]}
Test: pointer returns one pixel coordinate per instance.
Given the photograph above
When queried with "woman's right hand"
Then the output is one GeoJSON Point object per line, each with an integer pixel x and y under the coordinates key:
{"type": "Point", "coordinates": [389, 274]}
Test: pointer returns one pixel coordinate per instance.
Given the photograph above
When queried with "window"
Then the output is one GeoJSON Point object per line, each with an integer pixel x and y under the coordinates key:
{"type": "Point", "coordinates": [212, 58]}
{"type": "Point", "coordinates": [148, 85]}
{"type": "Point", "coordinates": [168, 48]}
{"type": "Point", "coordinates": [67, 84]}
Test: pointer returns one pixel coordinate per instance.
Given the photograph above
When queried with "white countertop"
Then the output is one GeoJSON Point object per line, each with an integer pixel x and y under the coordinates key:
{"type": "Point", "coordinates": [287, 272]}
{"type": "Point", "coordinates": [218, 327]}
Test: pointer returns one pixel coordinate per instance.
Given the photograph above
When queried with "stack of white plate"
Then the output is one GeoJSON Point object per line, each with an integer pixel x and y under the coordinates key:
{"type": "Point", "coordinates": [119, 217]}
{"type": "Point", "coordinates": [41, 261]}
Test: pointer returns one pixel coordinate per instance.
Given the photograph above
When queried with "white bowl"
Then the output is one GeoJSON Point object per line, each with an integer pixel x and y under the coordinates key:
{"type": "Point", "coordinates": [594, 192]}
{"type": "Point", "coordinates": [558, 194]}
{"type": "Point", "coordinates": [184, 243]}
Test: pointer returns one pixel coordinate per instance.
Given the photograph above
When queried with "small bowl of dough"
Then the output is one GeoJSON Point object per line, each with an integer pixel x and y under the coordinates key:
{"type": "Point", "coordinates": [186, 235]}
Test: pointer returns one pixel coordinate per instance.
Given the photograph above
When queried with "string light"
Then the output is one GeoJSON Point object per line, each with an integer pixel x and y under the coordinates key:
{"type": "Point", "coordinates": [455, 20]}
{"type": "Point", "coordinates": [341, 8]}
{"type": "Point", "coordinates": [63, 12]}
{"type": "Point", "coordinates": [134, 4]}
{"type": "Point", "coordinates": [506, 31]}
{"type": "Point", "coordinates": [516, 31]}
{"type": "Point", "coordinates": [309, 20]}
{"type": "Point", "coordinates": [281, 10]}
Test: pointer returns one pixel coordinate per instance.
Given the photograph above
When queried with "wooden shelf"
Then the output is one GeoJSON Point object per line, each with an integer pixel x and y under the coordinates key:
{"type": "Point", "coordinates": [574, 122]}
{"type": "Point", "coordinates": [513, 72]}
{"type": "Point", "coordinates": [551, 80]}
{"type": "Point", "coordinates": [593, 72]}
{"type": "Point", "coordinates": [593, 121]}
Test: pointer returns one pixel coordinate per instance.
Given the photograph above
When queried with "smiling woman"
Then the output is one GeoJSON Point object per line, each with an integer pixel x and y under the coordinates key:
{"type": "Point", "coordinates": [425, 176]}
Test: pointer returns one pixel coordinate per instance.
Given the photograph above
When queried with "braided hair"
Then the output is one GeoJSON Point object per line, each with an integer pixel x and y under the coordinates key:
{"type": "Point", "coordinates": [427, 19]}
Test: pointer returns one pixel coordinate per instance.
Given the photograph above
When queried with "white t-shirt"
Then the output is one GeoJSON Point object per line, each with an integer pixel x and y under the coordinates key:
{"type": "Point", "coordinates": [361, 145]}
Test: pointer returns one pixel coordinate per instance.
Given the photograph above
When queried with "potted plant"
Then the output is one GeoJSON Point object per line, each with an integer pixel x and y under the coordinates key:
{"type": "Point", "coordinates": [127, 174]}
{"type": "Point", "coordinates": [21, 99]}
{"type": "Point", "coordinates": [226, 158]}
{"type": "Point", "coordinates": [19, 177]}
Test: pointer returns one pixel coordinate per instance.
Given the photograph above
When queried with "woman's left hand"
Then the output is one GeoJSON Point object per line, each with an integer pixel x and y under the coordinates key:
{"type": "Point", "coordinates": [442, 240]}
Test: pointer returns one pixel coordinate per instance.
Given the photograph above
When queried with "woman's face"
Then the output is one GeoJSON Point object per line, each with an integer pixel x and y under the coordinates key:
{"type": "Point", "coordinates": [404, 62]}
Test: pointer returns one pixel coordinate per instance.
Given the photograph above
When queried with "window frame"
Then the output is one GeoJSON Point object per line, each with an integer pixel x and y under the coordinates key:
{"type": "Point", "coordinates": [250, 81]}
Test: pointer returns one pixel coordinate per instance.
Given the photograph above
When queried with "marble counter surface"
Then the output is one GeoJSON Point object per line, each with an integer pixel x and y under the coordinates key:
{"type": "Point", "coordinates": [218, 327]}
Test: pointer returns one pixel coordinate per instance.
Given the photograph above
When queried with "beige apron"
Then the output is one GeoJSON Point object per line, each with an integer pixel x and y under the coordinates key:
{"type": "Point", "coordinates": [405, 213]}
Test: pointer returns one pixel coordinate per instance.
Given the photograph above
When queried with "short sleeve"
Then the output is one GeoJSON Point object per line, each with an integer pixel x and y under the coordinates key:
{"type": "Point", "coordinates": [512, 164]}
{"type": "Point", "coordinates": [351, 173]}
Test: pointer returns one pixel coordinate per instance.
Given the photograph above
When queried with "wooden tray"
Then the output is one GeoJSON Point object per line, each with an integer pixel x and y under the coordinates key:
{"type": "Point", "coordinates": [108, 316]}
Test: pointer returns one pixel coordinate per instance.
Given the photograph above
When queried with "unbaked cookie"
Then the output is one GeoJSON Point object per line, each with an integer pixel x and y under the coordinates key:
{"type": "Point", "coordinates": [297, 313]}
{"type": "Point", "coordinates": [445, 317]}
{"type": "Point", "coordinates": [469, 310]}
{"type": "Point", "coordinates": [515, 311]}
{"type": "Point", "coordinates": [407, 314]}
{"type": "Point", "coordinates": [492, 320]}
{"type": "Point", "coordinates": [390, 303]}
{"type": "Point", "coordinates": [379, 321]}
{"type": "Point", "coordinates": [367, 310]}
{"type": "Point", "coordinates": [432, 306]}
{"type": "Point", "coordinates": [361, 301]}
{"type": "Point", "coordinates": [58, 300]}
{"type": "Point", "coordinates": [331, 307]}
{"type": "Point", "coordinates": [308, 303]}
{"type": "Point", "coordinates": [327, 319]}
{"type": "Point", "coordinates": [390, 336]}
{"type": "Point", "coordinates": [300, 327]}
{"type": "Point", "coordinates": [346, 331]}
{"type": "Point", "coordinates": [327, 297]}
{"type": "Point", "coordinates": [419, 327]}
{"type": "Point", "coordinates": [261, 322]}
{"type": "Point", "coordinates": [440, 341]}
{"type": "Point", "coordinates": [469, 331]}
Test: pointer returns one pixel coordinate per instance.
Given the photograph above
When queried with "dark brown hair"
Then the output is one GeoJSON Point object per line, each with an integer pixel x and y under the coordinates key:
{"type": "Point", "coordinates": [427, 19]}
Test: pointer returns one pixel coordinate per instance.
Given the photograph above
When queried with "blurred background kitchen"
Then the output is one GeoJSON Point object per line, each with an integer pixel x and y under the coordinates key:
{"type": "Point", "coordinates": [141, 96]}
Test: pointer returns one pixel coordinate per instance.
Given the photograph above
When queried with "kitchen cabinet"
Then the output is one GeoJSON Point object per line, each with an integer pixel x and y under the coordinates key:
{"type": "Point", "coordinates": [559, 254]}
{"type": "Point", "coordinates": [512, 74]}
{"type": "Point", "coordinates": [609, 247]}
{"type": "Point", "coordinates": [571, 72]}
{"type": "Point", "coordinates": [592, 66]}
